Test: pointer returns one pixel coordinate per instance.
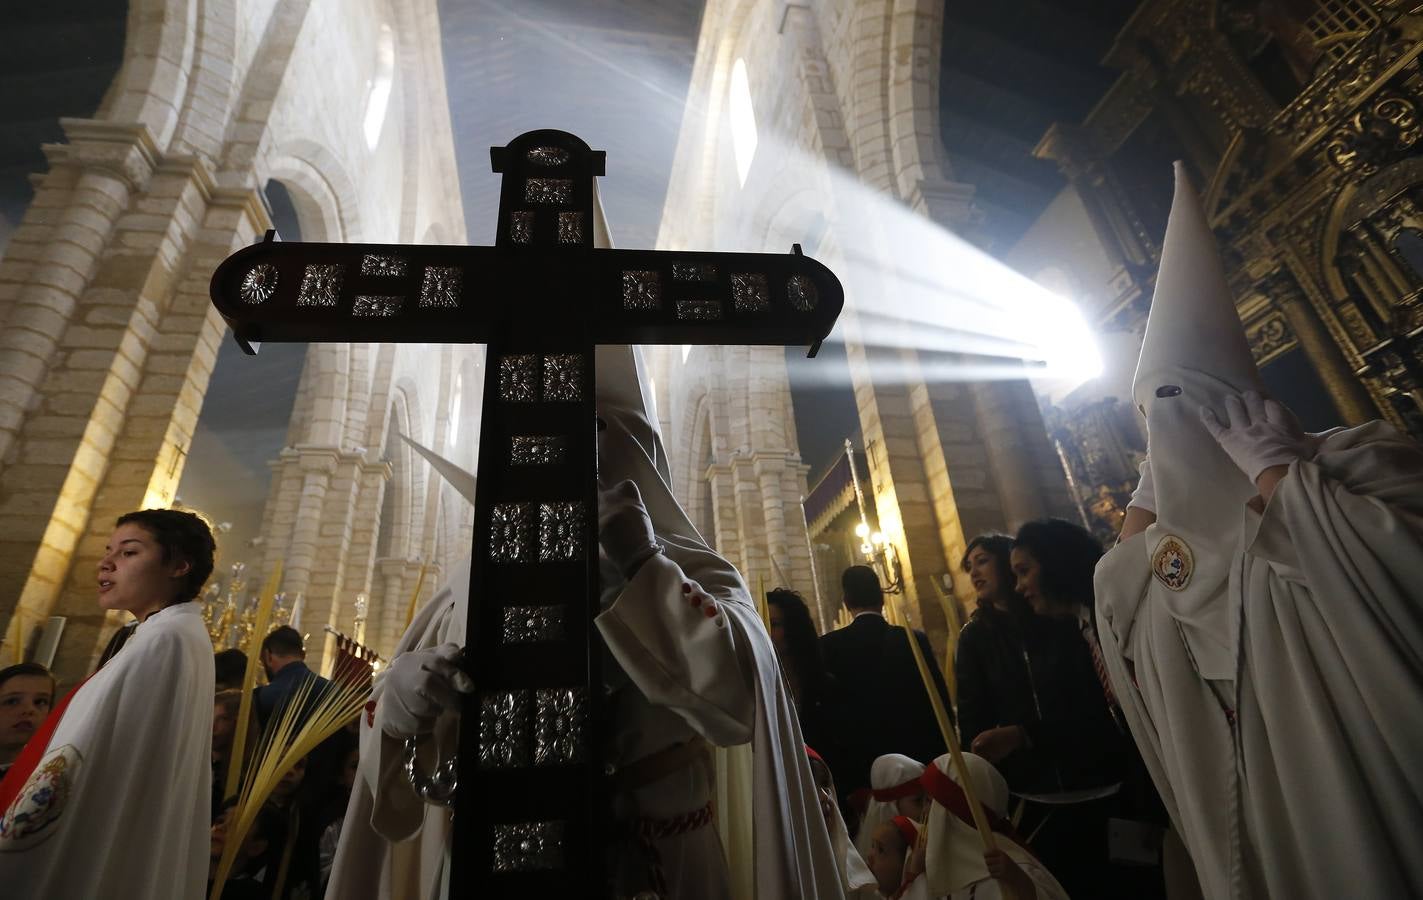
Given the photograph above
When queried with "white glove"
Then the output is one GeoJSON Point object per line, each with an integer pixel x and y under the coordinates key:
{"type": "Point", "coordinates": [1144, 497]}
{"type": "Point", "coordinates": [624, 528]}
{"type": "Point", "coordinates": [1260, 433]}
{"type": "Point", "coordinates": [420, 685]}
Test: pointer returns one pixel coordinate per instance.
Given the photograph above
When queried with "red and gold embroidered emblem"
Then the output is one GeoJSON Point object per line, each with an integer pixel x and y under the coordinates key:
{"type": "Point", "coordinates": [41, 801]}
{"type": "Point", "coordinates": [1172, 563]}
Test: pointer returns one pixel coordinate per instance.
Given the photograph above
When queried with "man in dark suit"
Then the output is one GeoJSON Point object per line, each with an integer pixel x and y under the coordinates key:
{"type": "Point", "coordinates": [883, 705]}
{"type": "Point", "coordinates": [284, 660]}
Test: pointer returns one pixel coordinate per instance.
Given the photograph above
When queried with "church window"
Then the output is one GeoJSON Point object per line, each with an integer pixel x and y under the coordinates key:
{"type": "Point", "coordinates": [378, 86]}
{"type": "Point", "coordinates": [743, 121]}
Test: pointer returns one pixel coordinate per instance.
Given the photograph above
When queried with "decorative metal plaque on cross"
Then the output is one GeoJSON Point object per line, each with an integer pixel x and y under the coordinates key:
{"type": "Point", "coordinates": [531, 809]}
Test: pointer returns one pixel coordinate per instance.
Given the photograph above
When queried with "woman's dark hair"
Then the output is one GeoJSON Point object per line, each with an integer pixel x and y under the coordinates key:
{"type": "Point", "coordinates": [27, 668]}
{"type": "Point", "coordinates": [1067, 557]}
{"type": "Point", "coordinates": [180, 535]}
{"type": "Point", "coordinates": [999, 547]}
{"type": "Point", "coordinates": [229, 666]}
{"type": "Point", "coordinates": [802, 644]}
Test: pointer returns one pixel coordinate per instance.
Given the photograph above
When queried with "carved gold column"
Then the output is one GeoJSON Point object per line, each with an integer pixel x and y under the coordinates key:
{"type": "Point", "coordinates": [1349, 395]}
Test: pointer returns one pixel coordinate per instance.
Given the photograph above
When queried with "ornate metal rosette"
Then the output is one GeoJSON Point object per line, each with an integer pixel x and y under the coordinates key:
{"type": "Point", "coordinates": [259, 284]}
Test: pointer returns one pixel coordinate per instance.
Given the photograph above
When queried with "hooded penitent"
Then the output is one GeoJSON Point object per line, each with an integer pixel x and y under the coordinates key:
{"type": "Point", "coordinates": [892, 777]}
{"type": "Point", "coordinates": [1268, 659]}
{"type": "Point", "coordinates": [1194, 354]}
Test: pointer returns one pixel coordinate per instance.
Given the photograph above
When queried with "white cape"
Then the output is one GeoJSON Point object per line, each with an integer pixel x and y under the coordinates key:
{"type": "Point", "coordinates": [1316, 791]}
{"type": "Point", "coordinates": [121, 802]}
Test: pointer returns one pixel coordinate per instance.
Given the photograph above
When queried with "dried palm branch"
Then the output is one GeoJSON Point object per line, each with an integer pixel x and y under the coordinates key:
{"type": "Point", "coordinates": [762, 605]}
{"type": "Point", "coordinates": [249, 678]}
{"type": "Point", "coordinates": [312, 713]}
{"type": "Point", "coordinates": [415, 596]}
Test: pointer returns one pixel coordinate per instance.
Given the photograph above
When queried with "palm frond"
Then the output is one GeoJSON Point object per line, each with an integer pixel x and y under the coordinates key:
{"type": "Point", "coordinates": [310, 715]}
{"type": "Point", "coordinates": [249, 678]}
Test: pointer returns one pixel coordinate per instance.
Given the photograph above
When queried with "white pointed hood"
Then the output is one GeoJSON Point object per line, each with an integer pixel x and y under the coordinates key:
{"type": "Point", "coordinates": [1194, 354]}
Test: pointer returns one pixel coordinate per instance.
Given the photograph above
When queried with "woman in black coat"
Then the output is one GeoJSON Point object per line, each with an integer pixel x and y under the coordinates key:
{"type": "Point", "coordinates": [1031, 703]}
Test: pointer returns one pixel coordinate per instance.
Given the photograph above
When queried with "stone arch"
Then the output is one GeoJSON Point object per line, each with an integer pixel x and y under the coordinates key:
{"type": "Point", "coordinates": [159, 46]}
{"type": "Point", "coordinates": [247, 131]}
{"type": "Point", "coordinates": [358, 400]}
{"type": "Point", "coordinates": [381, 396]}
{"type": "Point", "coordinates": [324, 193]}
{"type": "Point", "coordinates": [408, 59]}
{"type": "Point", "coordinates": [329, 366]}
{"type": "Point", "coordinates": [208, 100]}
{"type": "Point", "coordinates": [916, 35]}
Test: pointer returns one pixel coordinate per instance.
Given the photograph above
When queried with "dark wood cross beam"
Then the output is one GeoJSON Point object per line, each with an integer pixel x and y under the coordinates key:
{"type": "Point", "coordinates": [531, 809]}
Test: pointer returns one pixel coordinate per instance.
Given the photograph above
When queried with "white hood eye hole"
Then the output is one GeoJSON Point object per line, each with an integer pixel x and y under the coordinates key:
{"type": "Point", "coordinates": [1169, 390]}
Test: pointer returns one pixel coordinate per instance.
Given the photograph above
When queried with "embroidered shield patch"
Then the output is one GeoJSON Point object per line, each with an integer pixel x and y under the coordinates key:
{"type": "Point", "coordinates": [1172, 563]}
{"type": "Point", "coordinates": [41, 801]}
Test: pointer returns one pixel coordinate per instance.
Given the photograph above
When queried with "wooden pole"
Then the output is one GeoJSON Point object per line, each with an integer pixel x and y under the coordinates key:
{"type": "Point", "coordinates": [946, 728]}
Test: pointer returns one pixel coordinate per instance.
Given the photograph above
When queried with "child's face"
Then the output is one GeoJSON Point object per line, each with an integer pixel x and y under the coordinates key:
{"type": "Point", "coordinates": [913, 807]}
{"type": "Point", "coordinates": [886, 858]}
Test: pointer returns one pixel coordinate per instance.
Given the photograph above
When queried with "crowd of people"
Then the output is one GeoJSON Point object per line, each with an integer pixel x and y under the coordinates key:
{"type": "Point", "coordinates": [1216, 706]}
{"type": "Point", "coordinates": [1035, 713]}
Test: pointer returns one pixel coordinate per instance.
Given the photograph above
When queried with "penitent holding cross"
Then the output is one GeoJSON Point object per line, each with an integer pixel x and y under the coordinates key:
{"type": "Point", "coordinates": [531, 807]}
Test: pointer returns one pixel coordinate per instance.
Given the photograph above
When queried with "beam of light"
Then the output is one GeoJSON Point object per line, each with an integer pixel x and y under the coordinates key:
{"type": "Point", "coordinates": [676, 101]}
{"type": "Point", "coordinates": [913, 285]}
{"type": "Point", "coordinates": [743, 121]}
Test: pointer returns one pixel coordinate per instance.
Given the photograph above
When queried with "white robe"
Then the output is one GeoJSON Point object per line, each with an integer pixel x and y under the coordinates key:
{"type": "Point", "coordinates": [120, 804]}
{"type": "Point", "coordinates": [1317, 790]}
{"type": "Point", "coordinates": [1045, 886]}
{"type": "Point", "coordinates": [682, 666]}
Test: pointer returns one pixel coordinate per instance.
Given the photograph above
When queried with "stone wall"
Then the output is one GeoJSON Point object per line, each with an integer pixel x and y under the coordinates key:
{"type": "Point", "coordinates": [108, 338]}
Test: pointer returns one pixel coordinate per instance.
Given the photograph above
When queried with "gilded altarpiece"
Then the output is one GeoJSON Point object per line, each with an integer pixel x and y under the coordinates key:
{"type": "Point", "coordinates": [1302, 123]}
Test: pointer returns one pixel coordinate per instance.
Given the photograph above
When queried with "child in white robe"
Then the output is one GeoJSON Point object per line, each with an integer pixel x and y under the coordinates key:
{"type": "Point", "coordinates": [894, 791]}
{"type": "Point", "coordinates": [955, 864]}
{"type": "Point", "coordinates": [888, 858]}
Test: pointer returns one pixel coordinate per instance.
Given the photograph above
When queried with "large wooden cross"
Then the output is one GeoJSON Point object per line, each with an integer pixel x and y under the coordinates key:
{"type": "Point", "coordinates": [531, 809]}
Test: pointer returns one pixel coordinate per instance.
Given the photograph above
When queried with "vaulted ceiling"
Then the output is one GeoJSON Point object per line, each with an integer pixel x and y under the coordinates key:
{"type": "Point", "coordinates": [1008, 70]}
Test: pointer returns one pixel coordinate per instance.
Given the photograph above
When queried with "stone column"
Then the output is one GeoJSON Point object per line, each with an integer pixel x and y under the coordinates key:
{"type": "Point", "coordinates": [898, 480]}
{"type": "Point", "coordinates": [97, 173]}
{"type": "Point", "coordinates": [391, 602]}
{"type": "Point", "coordinates": [317, 465]}
{"type": "Point", "coordinates": [357, 576]}
{"type": "Point", "coordinates": [1349, 395]}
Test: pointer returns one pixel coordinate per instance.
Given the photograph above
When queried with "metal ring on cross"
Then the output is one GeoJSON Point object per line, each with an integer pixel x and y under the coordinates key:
{"type": "Point", "coordinates": [437, 788]}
